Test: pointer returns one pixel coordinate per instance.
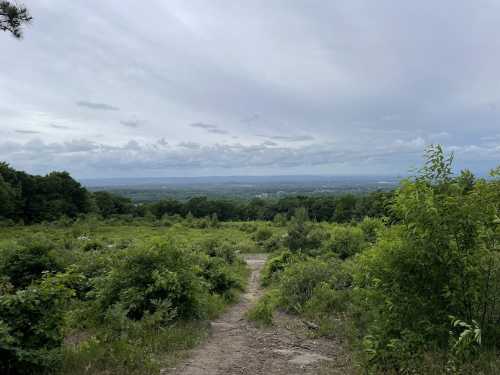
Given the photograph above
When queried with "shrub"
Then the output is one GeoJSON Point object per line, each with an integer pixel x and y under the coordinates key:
{"type": "Point", "coordinates": [217, 248]}
{"type": "Point", "coordinates": [92, 245]}
{"type": "Point", "coordinates": [169, 220]}
{"type": "Point", "coordinates": [275, 266]}
{"type": "Point", "coordinates": [140, 278]}
{"type": "Point", "coordinates": [274, 243]}
{"type": "Point", "coordinates": [315, 239]}
{"type": "Point", "coordinates": [214, 221]}
{"type": "Point", "coordinates": [24, 261]}
{"type": "Point", "coordinates": [346, 241]}
{"type": "Point", "coordinates": [64, 221]}
{"type": "Point", "coordinates": [371, 228]}
{"type": "Point", "coordinates": [280, 220]}
{"type": "Point", "coordinates": [262, 234]}
{"type": "Point", "coordinates": [298, 230]}
{"type": "Point", "coordinates": [248, 227]}
{"type": "Point", "coordinates": [299, 280]}
{"type": "Point", "coordinates": [303, 236]}
{"type": "Point", "coordinates": [263, 311]}
{"type": "Point", "coordinates": [333, 296]}
{"type": "Point", "coordinates": [247, 247]}
{"type": "Point", "coordinates": [220, 277]}
{"type": "Point", "coordinates": [31, 325]}
{"type": "Point", "coordinates": [442, 260]}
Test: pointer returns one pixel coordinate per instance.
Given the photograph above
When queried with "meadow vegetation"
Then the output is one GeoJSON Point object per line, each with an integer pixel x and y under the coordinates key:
{"type": "Point", "coordinates": [99, 297]}
{"type": "Point", "coordinates": [122, 288]}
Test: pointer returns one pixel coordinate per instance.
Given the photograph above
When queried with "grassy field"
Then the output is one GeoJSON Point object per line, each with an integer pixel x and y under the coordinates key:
{"type": "Point", "coordinates": [98, 328]}
{"type": "Point", "coordinates": [140, 232]}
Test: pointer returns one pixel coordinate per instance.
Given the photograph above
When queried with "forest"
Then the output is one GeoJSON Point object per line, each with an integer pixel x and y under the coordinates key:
{"type": "Point", "coordinates": [34, 199]}
{"type": "Point", "coordinates": [408, 281]}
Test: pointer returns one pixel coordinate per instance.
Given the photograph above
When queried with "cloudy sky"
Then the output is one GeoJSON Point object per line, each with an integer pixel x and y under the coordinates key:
{"type": "Point", "coordinates": [185, 87]}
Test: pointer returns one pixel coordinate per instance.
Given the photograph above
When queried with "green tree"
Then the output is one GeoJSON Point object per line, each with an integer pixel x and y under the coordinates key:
{"type": "Point", "coordinates": [345, 208]}
{"type": "Point", "coordinates": [8, 199]}
{"type": "Point", "coordinates": [38, 198]}
{"type": "Point", "coordinates": [111, 204]}
{"type": "Point", "coordinates": [62, 195]}
{"type": "Point", "coordinates": [298, 230]}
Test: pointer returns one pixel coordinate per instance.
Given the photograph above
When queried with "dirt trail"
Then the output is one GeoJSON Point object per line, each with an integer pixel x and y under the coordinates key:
{"type": "Point", "coordinates": [237, 346]}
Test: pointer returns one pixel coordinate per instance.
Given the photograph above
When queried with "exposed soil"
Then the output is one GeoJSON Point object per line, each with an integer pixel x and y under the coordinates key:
{"type": "Point", "coordinates": [237, 346]}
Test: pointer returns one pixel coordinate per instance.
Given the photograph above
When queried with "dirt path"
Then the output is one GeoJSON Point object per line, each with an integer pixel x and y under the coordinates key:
{"type": "Point", "coordinates": [237, 346]}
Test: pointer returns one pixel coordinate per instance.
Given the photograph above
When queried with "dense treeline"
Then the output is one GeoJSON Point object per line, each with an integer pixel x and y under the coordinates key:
{"type": "Point", "coordinates": [33, 199]}
{"type": "Point", "coordinates": [340, 209]}
{"type": "Point", "coordinates": [37, 198]}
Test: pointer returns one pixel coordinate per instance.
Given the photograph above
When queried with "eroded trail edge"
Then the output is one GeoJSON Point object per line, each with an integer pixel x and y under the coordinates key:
{"type": "Point", "coordinates": [237, 346]}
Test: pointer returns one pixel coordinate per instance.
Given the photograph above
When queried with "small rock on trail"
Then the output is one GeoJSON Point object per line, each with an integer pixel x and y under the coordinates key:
{"type": "Point", "coordinates": [237, 346]}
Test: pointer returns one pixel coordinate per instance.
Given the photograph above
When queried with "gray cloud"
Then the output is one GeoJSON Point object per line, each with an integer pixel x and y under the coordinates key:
{"type": "Point", "coordinates": [22, 131]}
{"type": "Point", "coordinates": [492, 137]}
{"type": "Point", "coordinates": [361, 82]}
{"type": "Point", "coordinates": [251, 118]}
{"type": "Point", "coordinates": [86, 157]}
{"type": "Point", "coordinates": [97, 106]}
{"type": "Point", "coordinates": [209, 128]}
{"type": "Point", "coordinates": [131, 123]}
{"type": "Point", "coordinates": [269, 143]}
{"type": "Point", "coordinates": [217, 131]}
{"type": "Point", "coordinates": [202, 125]}
{"type": "Point", "coordinates": [59, 127]}
{"type": "Point", "coordinates": [191, 145]}
{"type": "Point", "coordinates": [80, 145]}
{"type": "Point", "coordinates": [291, 138]}
{"type": "Point", "coordinates": [162, 142]}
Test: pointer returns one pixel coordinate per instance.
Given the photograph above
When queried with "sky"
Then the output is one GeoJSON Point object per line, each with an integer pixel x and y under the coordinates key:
{"type": "Point", "coordinates": [204, 88]}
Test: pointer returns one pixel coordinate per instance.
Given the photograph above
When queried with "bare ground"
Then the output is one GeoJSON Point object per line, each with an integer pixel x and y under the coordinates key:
{"type": "Point", "coordinates": [237, 346]}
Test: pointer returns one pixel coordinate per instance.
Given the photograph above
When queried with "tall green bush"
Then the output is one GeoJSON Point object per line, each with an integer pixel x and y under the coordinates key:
{"type": "Point", "coordinates": [24, 261]}
{"type": "Point", "coordinates": [442, 260]}
{"type": "Point", "coordinates": [143, 277]}
{"type": "Point", "coordinates": [299, 280]}
{"type": "Point", "coordinates": [346, 241]}
{"type": "Point", "coordinates": [303, 236]}
{"type": "Point", "coordinates": [31, 322]}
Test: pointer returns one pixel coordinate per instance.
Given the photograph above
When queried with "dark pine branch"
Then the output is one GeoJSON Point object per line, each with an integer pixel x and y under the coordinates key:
{"type": "Point", "coordinates": [13, 17]}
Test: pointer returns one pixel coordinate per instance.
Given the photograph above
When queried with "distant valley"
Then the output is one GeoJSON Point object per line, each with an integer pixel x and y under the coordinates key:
{"type": "Point", "coordinates": [241, 187]}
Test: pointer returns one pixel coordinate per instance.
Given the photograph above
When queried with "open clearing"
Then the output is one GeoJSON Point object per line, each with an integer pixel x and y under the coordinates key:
{"type": "Point", "coordinates": [237, 346]}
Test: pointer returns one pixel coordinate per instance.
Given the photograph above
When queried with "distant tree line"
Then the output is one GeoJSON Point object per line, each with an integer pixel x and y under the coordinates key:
{"type": "Point", "coordinates": [33, 199]}
{"type": "Point", "coordinates": [342, 208]}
